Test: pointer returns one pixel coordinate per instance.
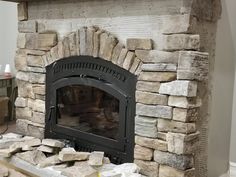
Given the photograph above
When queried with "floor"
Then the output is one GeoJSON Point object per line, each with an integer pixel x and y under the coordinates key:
{"type": "Point", "coordinates": [8, 127]}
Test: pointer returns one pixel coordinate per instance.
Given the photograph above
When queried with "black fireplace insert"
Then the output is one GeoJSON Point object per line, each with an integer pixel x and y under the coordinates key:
{"type": "Point", "coordinates": [91, 103]}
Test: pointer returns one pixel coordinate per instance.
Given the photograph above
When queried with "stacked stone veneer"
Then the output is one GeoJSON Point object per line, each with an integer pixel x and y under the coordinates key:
{"type": "Point", "coordinates": [167, 95]}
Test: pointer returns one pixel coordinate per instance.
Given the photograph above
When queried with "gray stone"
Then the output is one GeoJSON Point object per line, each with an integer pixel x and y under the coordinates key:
{"type": "Point", "coordinates": [23, 76]}
{"type": "Point", "coordinates": [116, 52]}
{"type": "Point", "coordinates": [77, 38]}
{"type": "Point", "coordinates": [139, 69]}
{"type": "Point", "coordinates": [90, 40]}
{"type": "Point", "coordinates": [38, 117]}
{"type": "Point", "coordinates": [4, 172]}
{"type": "Point", "coordinates": [53, 143]}
{"type": "Point", "coordinates": [32, 142]}
{"type": "Point", "coordinates": [107, 44]}
{"type": "Point", "coordinates": [82, 170]}
{"type": "Point", "coordinates": [129, 59]}
{"type": "Point", "coordinates": [33, 157]}
{"type": "Point", "coordinates": [185, 115]}
{"type": "Point", "coordinates": [45, 41]}
{"type": "Point", "coordinates": [68, 154]}
{"type": "Point", "coordinates": [184, 102]}
{"type": "Point", "coordinates": [21, 102]}
{"type": "Point", "coordinates": [20, 61]}
{"type": "Point", "coordinates": [50, 161]}
{"type": "Point", "coordinates": [142, 153]}
{"type": "Point", "coordinates": [177, 127]}
{"type": "Point", "coordinates": [162, 136]}
{"type": "Point", "coordinates": [5, 153]}
{"type": "Point", "coordinates": [29, 26]}
{"type": "Point", "coordinates": [72, 44]}
{"type": "Point", "coordinates": [21, 40]}
{"type": "Point", "coordinates": [148, 168]}
{"type": "Point", "coordinates": [151, 98]}
{"type": "Point", "coordinates": [166, 171]}
{"type": "Point", "coordinates": [36, 70]}
{"type": "Point", "coordinates": [145, 126]}
{"type": "Point", "coordinates": [64, 48]}
{"type": "Point", "coordinates": [179, 88]}
{"type": "Point", "coordinates": [96, 158]}
{"type": "Point", "coordinates": [151, 143]}
{"type": "Point", "coordinates": [46, 149]}
{"type": "Point", "coordinates": [181, 162]}
{"type": "Point", "coordinates": [148, 86]}
{"type": "Point", "coordinates": [139, 44]}
{"type": "Point", "coordinates": [126, 168]}
{"type": "Point", "coordinates": [156, 56]}
{"type": "Point", "coordinates": [23, 113]}
{"type": "Point", "coordinates": [158, 111]}
{"type": "Point", "coordinates": [22, 11]}
{"type": "Point", "coordinates": [36, 131]}
{"type": "Point", "coordinates": [25, 89]}
{"type": "Point", "coordinates": [96, 43]}
{"type": "Point", "coordinates": [54, 53]}
{"type": "Point", "coordinates": [39, 106]}
{"type": "Point", "coordinates": [83, 39]}
{"type": "Point", "coordinates": [35, 61]}
{"type": "Point", "coordinates": [122, 56]}
{"type": "Point", "coordinates": [135, 65]}
{"type": "Point", "coordinates": [37, 78]}
{"type": "Point", "coordinates": [157, 76]}
{"type": "Point", "coordinates": [182, 144]}
{"type": "Point", "coordinates": [159, 67]}
{"type": "Point", "coordinates": [193, 66]}
{"type": "Point", "coordinates": [39, 89]}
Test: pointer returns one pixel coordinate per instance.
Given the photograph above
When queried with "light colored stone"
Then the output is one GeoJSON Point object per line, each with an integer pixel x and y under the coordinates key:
{"type": "Point", "coordinates": [122, 56]}
{"type": "Point", "coordinates": [129, 59]}
{"type": "Point", "coordinates": [177, 127]}
{"type": "Point", "coordinates": [20, 61]}
{"type": "Point", "coordinates": [159, 67]}
{"type": "Point", "coordinates": [148, 168]}
{"type": "Point", "coordinates": [96, 158]}
{"type": "Point", "coordinates": [126, 168]}
{"type": "Point", "coordinates": [107, 44]}
{"type": "Point", "coordinates": [139, 44]}
{"type": "Point", "coordinates": [4, 172]}
{"type": "Point", "coordinates": [175, 42]}
{"type": "Point", "coordinates": [151, 143]}
{"type": "Point", "coordinates": [39, 106]}
{"type": "Point", "coordinates": [157, 111]}
{"type": "Point", "coordinates": [67, 155]}
{"type": "Point", "coordinates": [145, 126]}
{"type": "Point", "coordinates": [142, 153]}
{"type": "Point", "coordinates": [37, 78]}
{"type": "Point", "coordinates": [38, 117]}
{"type": "Point", "coordinates": [184, 102]}
{"type": "Point", "coordinates": [46, 149]}
{"type": "Point", "coordinates": [182, 144]}
{"type": "Point", "coordinates": [21, 102]}
{"type": "Point", "coordinates": [64, 48]}
{"type": "Point", "coordinates": [53, 143]}
{"type": "Point", "coordinates": [36, 131]}
{"type": "Point", "coordinates": [54, 54]}
{"type": "Point", "coordinates": [39, 89]}
{"type": "Point", "coordinates": [116, 52]}
{"type": "Point", "coordinates": [179, 88]}
{"type": "Point", "coordinates": [135, 65]}
{"type": "Point", "coordinates": [156, 56]}
{"type": "Point", "coordinates": [162, 136]}
{"type": "Point", "coordinates": [166, 171]}
{"type": "Point", "coordinates": [157, 76]}
{"type": "Point", "coordinates": [185, 115]}
{"type": "Point", "coordinates": [14, 173]}
{"type": "Point", "coordinates": [23, 113]}
{"type": "Point", "coordinates": [72, 44]}
{"type": "Point", "coordinates": [148, 86]}
{"type": "Point", "coordinates": [193, 66]}
{"type": "Point", "coordinates": [83, 39]}
{"type": "Point", "coordinates": [77, 38]}
{"type": "Point", "coordinates": [24, 89]}
{"type": "Point", "coordinates": [90, 40]}
{"type": "Point", "coordinates": [29, 26]}
{"type": "Point", "coordinates": [21, 40]}
{"type": "Point", "coordinates": [151, 98]}
{"type": "Point", "coordinates": [22, 10]}
{"type": "Point", "coordinates": [46, 41]}
{"type": "Point", "coordinates": [23, 76]}
{"type": "Point", "coordinates": [33, 157]}
{"type": "Point", "coordinates": [82, 170]}
{"type": "Point", "coordinates": [35, 61]}
{"type": "Point", "coordinates": [5, 153]}
{"type": "Point", "coordinates": [50, 161]}
{"type": "Point", "coordinates": [96, 42]}
{"type": "Point", "coordinates": [181, 162]}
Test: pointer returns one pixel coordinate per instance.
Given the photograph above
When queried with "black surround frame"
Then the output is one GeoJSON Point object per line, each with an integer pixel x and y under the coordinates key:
{"type": "Point", "coordinates": [102, 74]}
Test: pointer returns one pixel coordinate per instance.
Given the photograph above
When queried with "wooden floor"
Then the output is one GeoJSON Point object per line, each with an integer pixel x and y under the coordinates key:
{"type": "Point", "coordinates": [7, 129]}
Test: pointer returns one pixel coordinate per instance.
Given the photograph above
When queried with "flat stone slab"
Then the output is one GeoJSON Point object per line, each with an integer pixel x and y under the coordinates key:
{"type": "Point", "coordinates": [96, 158]}
{"type": "Point", "coordinates": [53, 143]}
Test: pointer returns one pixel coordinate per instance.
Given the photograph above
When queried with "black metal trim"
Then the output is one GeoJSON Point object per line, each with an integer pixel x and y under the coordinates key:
{"type": "Point", "coordinates": [96, 72]}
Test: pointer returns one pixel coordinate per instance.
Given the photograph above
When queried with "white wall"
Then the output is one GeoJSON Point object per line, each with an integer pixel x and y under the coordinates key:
{"type": "Point", "coordinates": [8, 33]}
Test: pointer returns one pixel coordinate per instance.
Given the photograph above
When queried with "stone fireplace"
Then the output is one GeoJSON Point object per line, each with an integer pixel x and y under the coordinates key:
{"type": "Point", "coordinates": [130, 78]}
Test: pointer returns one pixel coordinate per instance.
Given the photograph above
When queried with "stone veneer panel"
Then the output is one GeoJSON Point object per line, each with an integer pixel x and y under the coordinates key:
{"type": "Point", "coordinates": [169, 69]}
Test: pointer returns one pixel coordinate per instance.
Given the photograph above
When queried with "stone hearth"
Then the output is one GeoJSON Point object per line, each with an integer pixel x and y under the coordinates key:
{"type": "Point", "coordinates": [168, 45]}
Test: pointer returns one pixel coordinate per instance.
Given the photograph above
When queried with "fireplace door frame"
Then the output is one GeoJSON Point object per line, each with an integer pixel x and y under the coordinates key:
{"type": "Point", "coordinates": [106, 76]}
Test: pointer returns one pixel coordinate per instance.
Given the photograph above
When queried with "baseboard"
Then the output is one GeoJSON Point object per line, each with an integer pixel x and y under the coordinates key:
{"type": "Point", "coordinates": [232, 169]}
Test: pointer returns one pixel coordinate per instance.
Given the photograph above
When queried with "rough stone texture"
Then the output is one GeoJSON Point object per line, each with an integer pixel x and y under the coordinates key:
{"type": "Point", "coordinates": [21, 40]}
{"type": "Point", "coordinates": [166, 171]}
{"type": "Point", "coordinates": [90, 40]}
{"type": "Point", "coordinates": [157, 111]}
{"type": "Point", "coordinates": [39, 106]}
{"type": "Point", "coordinates": [135, 65]}
{"type": "Point", "coordinates": [64, 48]}
{"type": "Point", "coordinates": [35, 61]}
{"type": "Point", "coordinates": [116, 52]}
{"type": "Point", "coordinates": [23, 113]}
{"type": "Point", "coordinates": [53, 143]}
{"type": "Point", "coordinates": [21, 102]}
{"type": "Point", "coordinates": [193, 66]}
{"type": "Point", "coordinates": [20, 61]}
{"type": "Point", "coordinates": [157, 76]}
{"type": "Point", "coordinates": [156, 56]}
{"type": "Point", "coordinates": [53, 160]}
{"type": "Point", "coordinates": [185, 115]}
{"type": "Point", "coordinates": [69, 154]}
{"type": "Point", "coordinates": [83, 39]}
{"type": "Point", "coordinates": [148, 168]}
{"type": "Point", "coordinates": [151, 143]}
{"type": "Point", "coordinates": [38, 117]}
{"type": "Point", "coordinates": [181, 162]}
{"type": "Point", "coordinates": [96, 42]}
{"type": "Point", "coordinates": [142, 153]}
{"type": "Point", "coordinates": [33, 157]}
{"type": "Point", "coordinates": [107, 44]}
{"type": "Point", "coordinates": [39, 89]}
{"type": "Point", "coordinates": [151, 98]}
{"type": "Point", "coordinates": [145, 126]}
{"type": "Point", "coordinates": [139, 44]}
{"type": "Point", "coordinates": [96, 158]}
{"type": "Point", "coordinates": [24, 88]}
{"type": "Point", "coordinates": [54, 53]}
{"type": "Point", "coordinates": [46, 40]}
{"type": "Point", "coordinates": [4, 171]}
{"type": "Point", "coordinates": [184, 102]}
{"type": "Point", "coordinates": [173, 126]}
{"type": "Point", "coordinates": [148, 86]}
{"type": "Point", "coordinates": [46, 149]}
{"type": "Point", "coordinates": [72, 44]}
{"type": "Point", "coordinates": [181, 42]}
{"type": "Point", "coordinates": [122, 56]}
{"type": "Point", "coordinates": [182, 144]}
{"type": "Point", "coordinates": [159, 67]}
{"type": "Point", "coordinates": [22, 10]}
{"type": "Point", "coordinates": [29, 26]}
{"type": "Point", "coordinates": [179, 88]}
{"type": "Point", "coordinates": [129, 59]}
{"type": "Point", "coordinates": [162, 136]}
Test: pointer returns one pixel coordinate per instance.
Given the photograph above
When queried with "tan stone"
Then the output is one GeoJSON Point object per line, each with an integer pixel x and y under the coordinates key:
{"type": "Point", "coordinates": [142, 153]}
{"type": "Point", "coordinates": [39, 106]}
{"type": "Point", "coordinates": [67, 155]}
{"type": "Point", "coordinates": [129, 59]}
{"type": "Point", "coordinates": [46, 149]}
{"type": "Point", "coordinates": [21, 40]}
{"type": "Point", "coordinates": [184, 102]}
{"type": "Point", "coordinates": [96, 43]}
{"type": "Point", "coordinates": [82, 38]}
{"type": "Point", "coordinates": [185, 115]}
{"type": "Point", "coordinates": [53, 143]}
{"type": "Point", "coordinates": [50, 161]}
{"type": "Point", "coordinates": [29, 26]}
{"type": "Point", "coordinates": [90, 40]}
{"type": "Point", "coordinates": [135, 65]}
{"type": "Point", "coordinates": [161, 136]}
{"type": "Point", "coordinates": [96, 158]}
{"type": "Point", "coordinates": [21, 102]}
{"type": "Point", "coordinates": [46, 40]}
{"type": "Point", "coordinates": [151, 98]}
{"type": "Point", "coordinates": [151, 143]}
{"type": "Point", "coordinates": [25, 89]}
{"type": "Point", "coordinates": [148, 86]}
{"type": "Point", "coordinates": [23, 113]}
{"type": "Point", "coordinates": [54, 53]}
{"type": "Point", "coordinates": [72, 44]}
{"type": "Point", "coordinates": [148, 168]}
{"type": "Point", "coordinates": [4, 172]}
{"type": "Point", "coordinates": [33, 157]}
{"type": "Point", "coordinates": [20, 62]}
{"type": "Point", "coordinates": [77, 38]}
{"type": "Point", "coordinates": [170, 67]}
{"type": "Point", "coordinates": [38, 117]}
{"type": "Point", "coordinates": [166, 171]}
{"type": "Point", "coordinates": [116, 52]}
{"type": "Point", "coordinates": [107, 44]}
{"type": "Point", "coordinates": [146, 126]}
{"type": "Point", "coordinates": [64, 48]}
{"type": "Point", "coordinates": [157, 76]}
{"type": "Point", "coordinates": [122, 56]}
{"type": "Point", "coordinates": [22, 10]}
{"type": "Point", "coordinates": [35, 61]}
{"type": "Point", "coordinates": [39, 89]}
{"type": "Point", "coordinates": [139, 44]}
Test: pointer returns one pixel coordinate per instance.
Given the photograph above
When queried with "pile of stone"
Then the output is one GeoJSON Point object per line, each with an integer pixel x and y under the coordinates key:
{"type": "Point", "coordinates": [7, 172]}
{"type": "Point", "coordinates": [54, 153]}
